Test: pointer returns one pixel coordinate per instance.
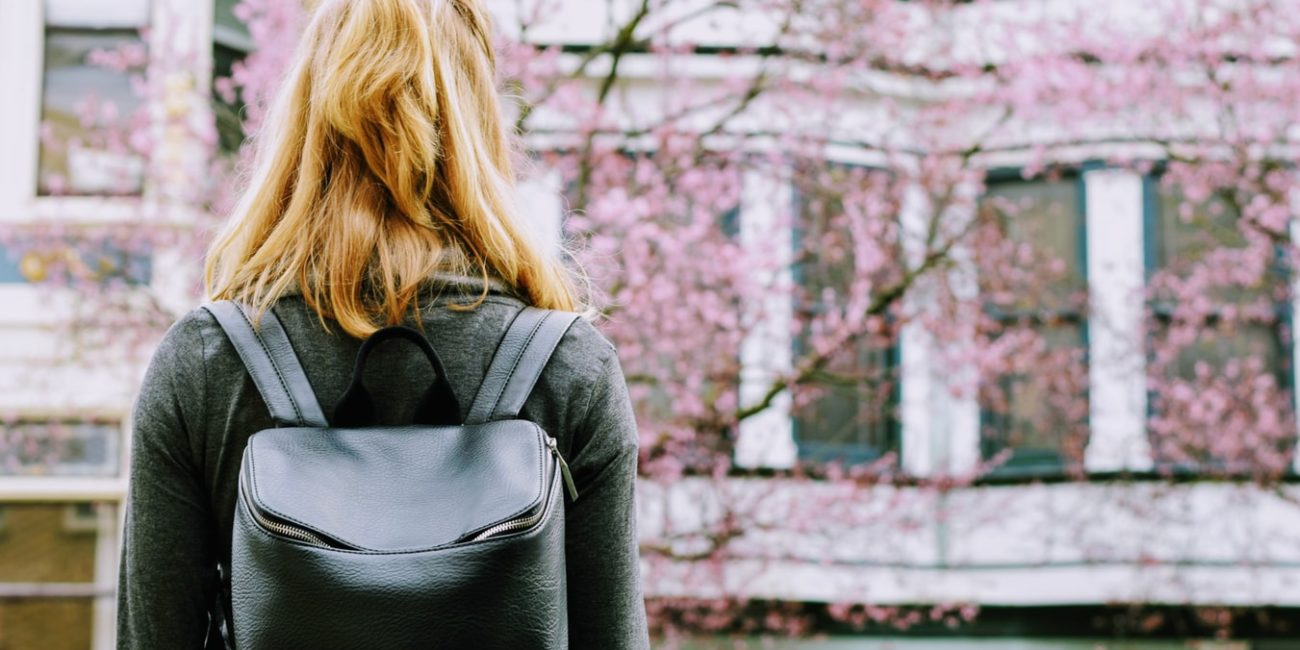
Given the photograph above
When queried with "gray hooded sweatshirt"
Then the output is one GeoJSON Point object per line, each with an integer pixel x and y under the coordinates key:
{"type": "Point", "coordinates": [198, 407]}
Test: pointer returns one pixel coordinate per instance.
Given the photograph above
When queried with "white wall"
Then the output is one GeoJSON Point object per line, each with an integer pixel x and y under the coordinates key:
{"type": "Point", "coordinates": [1063, 544]}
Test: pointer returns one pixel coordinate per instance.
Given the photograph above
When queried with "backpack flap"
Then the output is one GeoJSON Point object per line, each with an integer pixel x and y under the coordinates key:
{"type": "Point", "coordinates": [347, 487]}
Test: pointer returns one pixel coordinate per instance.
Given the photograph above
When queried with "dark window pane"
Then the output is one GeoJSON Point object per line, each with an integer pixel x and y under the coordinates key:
{"type": "Point", "coordinates": [1042, 420]}
{"type": "Point", "coordinates": [231, 43]}
{"type": "Point", "coordinates": [1045, 215]}
{"type": "Point", "coordinates": [854, 417]}
{"type": "Point", "coordinates": [1245, 321]}
{"type": "Point", "coordinates": [1039, 412]}
{"type": "Point", "coordinates": [228, 29]}
{"type": "Point", "coordinates": [1216, 347]}
{"type": "Point", "coordinates": [1186, 233]}
{"type": "Point", "coordinates": [59, 449]}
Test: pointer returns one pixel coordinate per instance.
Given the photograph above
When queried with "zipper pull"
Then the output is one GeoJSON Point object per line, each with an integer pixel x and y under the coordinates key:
{"type": "Point", "coordinates": [564, 469]}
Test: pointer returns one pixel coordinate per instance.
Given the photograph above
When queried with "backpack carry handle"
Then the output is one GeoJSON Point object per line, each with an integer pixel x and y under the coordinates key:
{"type": "Point", "coordinates": [438, 405]}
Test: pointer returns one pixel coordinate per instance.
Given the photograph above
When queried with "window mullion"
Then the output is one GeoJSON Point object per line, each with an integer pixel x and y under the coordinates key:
{"type": "Point", "coordinates": [954, 427]}
{"type": "Point", "coordinates": [1116, 348]}
{"type": "Point", "coordinates": [920, 383]}
{"type": "Point", "coordinates": [767, 439]}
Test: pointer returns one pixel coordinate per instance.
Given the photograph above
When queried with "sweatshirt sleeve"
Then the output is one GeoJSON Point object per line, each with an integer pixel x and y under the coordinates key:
{"type": "Point", "coordinates": [166, 575]}
{"type": "Point", "coordinates": [606, 606]}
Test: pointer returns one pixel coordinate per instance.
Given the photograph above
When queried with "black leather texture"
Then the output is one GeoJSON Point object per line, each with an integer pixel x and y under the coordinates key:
{"type": "Point", "coordinates": [270, 360]}
{"type": "Point", "coordinates": [419, 536]}
{"type": "Point", "coordinates": [397, 488]}
{"type": "Point", "coordinates": [507, 592]}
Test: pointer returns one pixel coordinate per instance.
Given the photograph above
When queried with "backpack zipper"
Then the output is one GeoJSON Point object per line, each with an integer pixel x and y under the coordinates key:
{"type": "Point", "coordinates": [531, 519]}
{"type": "Point", "coordinates": [564, 467]}
{"type": "Point", "coordinates": [286, 530]}
{"type": "Point", "coordinates": [518, 523]}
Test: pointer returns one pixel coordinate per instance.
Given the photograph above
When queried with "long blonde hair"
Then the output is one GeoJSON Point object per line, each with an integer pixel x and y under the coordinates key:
{"type": "Point", "coordinates": [384, 158]}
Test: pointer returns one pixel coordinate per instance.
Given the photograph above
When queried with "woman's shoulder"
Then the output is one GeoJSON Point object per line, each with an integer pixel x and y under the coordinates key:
{"type": "Point", "coordinates": [174, 384]}
{"type": "Point", "coordinates": [195, 346]}
{"type": "Point", "coordinates": [582, 348]}
{"type": "Point", "coordinates": [584, 333]}
{"type": "Point", "coordinates": [584, 354]}
{"type": "Point", "coordinates": [196, 334]}
{"type": "Point", "coordinates": [185, 339]}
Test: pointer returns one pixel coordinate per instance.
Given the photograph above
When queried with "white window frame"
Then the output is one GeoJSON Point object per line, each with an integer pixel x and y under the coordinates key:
{"type": "Point", "coordinates": [766, 439]}
{"type": "Point", "coordinates": [941, 425]}
{"type": "Point", "coordinates": [1117, 438]}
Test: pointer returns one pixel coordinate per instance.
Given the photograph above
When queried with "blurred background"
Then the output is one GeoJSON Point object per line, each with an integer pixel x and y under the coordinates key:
{"type": "Point", "coordinates": [949, 324]}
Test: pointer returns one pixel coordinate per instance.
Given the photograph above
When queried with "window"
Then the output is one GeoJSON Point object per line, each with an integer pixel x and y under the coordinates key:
{"type": "Point", "coordinates": [52, 573]}
{"type": "Point", "coordinates": [1244, 330]}
{"type": "Point", "coordinates": [687, 390]}
{"type": "Point", "coordinates": [1034, 285]}
{"type": "Point", "coordinates": [853, 414]}
{"type": "Point", "coordinates": [231, 42]}
{"type": "Point", "coordinates": [59, 449]}
{"type": "Point", "coordinates": [90, 103]}
{"type": "Point", "coordinates": [57, 559]}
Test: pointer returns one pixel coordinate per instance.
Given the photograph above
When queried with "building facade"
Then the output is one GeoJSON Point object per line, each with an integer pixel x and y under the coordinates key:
{"type": "Point", "coordinates": [1043, 574]}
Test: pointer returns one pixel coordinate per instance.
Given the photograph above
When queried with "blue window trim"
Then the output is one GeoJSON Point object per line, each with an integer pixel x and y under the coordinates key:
{"type": "Point", "coordinates": [821, 452]}
{"type": "Point", "coordinates": [1033, 462]}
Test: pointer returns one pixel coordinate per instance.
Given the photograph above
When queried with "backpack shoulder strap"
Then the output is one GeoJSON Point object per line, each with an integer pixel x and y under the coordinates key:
{"type": "Point", "coordinates": [272, 364]}
{"type": "Point", "coordinates": [518, 362]}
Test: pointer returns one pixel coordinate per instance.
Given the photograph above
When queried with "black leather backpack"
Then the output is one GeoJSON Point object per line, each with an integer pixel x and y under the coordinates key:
{"type": "Point", "coordinates": [437, 534]}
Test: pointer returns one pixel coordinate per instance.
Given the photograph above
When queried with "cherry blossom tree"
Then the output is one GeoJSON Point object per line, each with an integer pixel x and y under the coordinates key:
{"type": "Point", "coordinates": [927, 97]}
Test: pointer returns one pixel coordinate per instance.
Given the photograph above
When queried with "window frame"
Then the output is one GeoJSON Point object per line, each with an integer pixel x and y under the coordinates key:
{"type": "Point", "coordinates": [23, 203]}
{"type": "Point", "coordinates": [131, 33]}
{"type": "Point", "coordinates": [1041, 462]}
{"type": "Point", "coordinates": [1284, 370]}
{"type": "Point", "coordinates": [848, 453]}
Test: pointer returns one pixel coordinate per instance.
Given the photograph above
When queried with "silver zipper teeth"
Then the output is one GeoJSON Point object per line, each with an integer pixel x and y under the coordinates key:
{"type": "Point", "coordinates": [293, 532]}
{"type": "Point", "coordinates": [302, 535]}
{"type": "Point", "coordinates": [284, 530]}
{"type": "Point", "coordinates": [510, 526]}
{"type": "Point", "coordinates": [526, 521]}
{"type": "Point", "coordinates": [289, 531]}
